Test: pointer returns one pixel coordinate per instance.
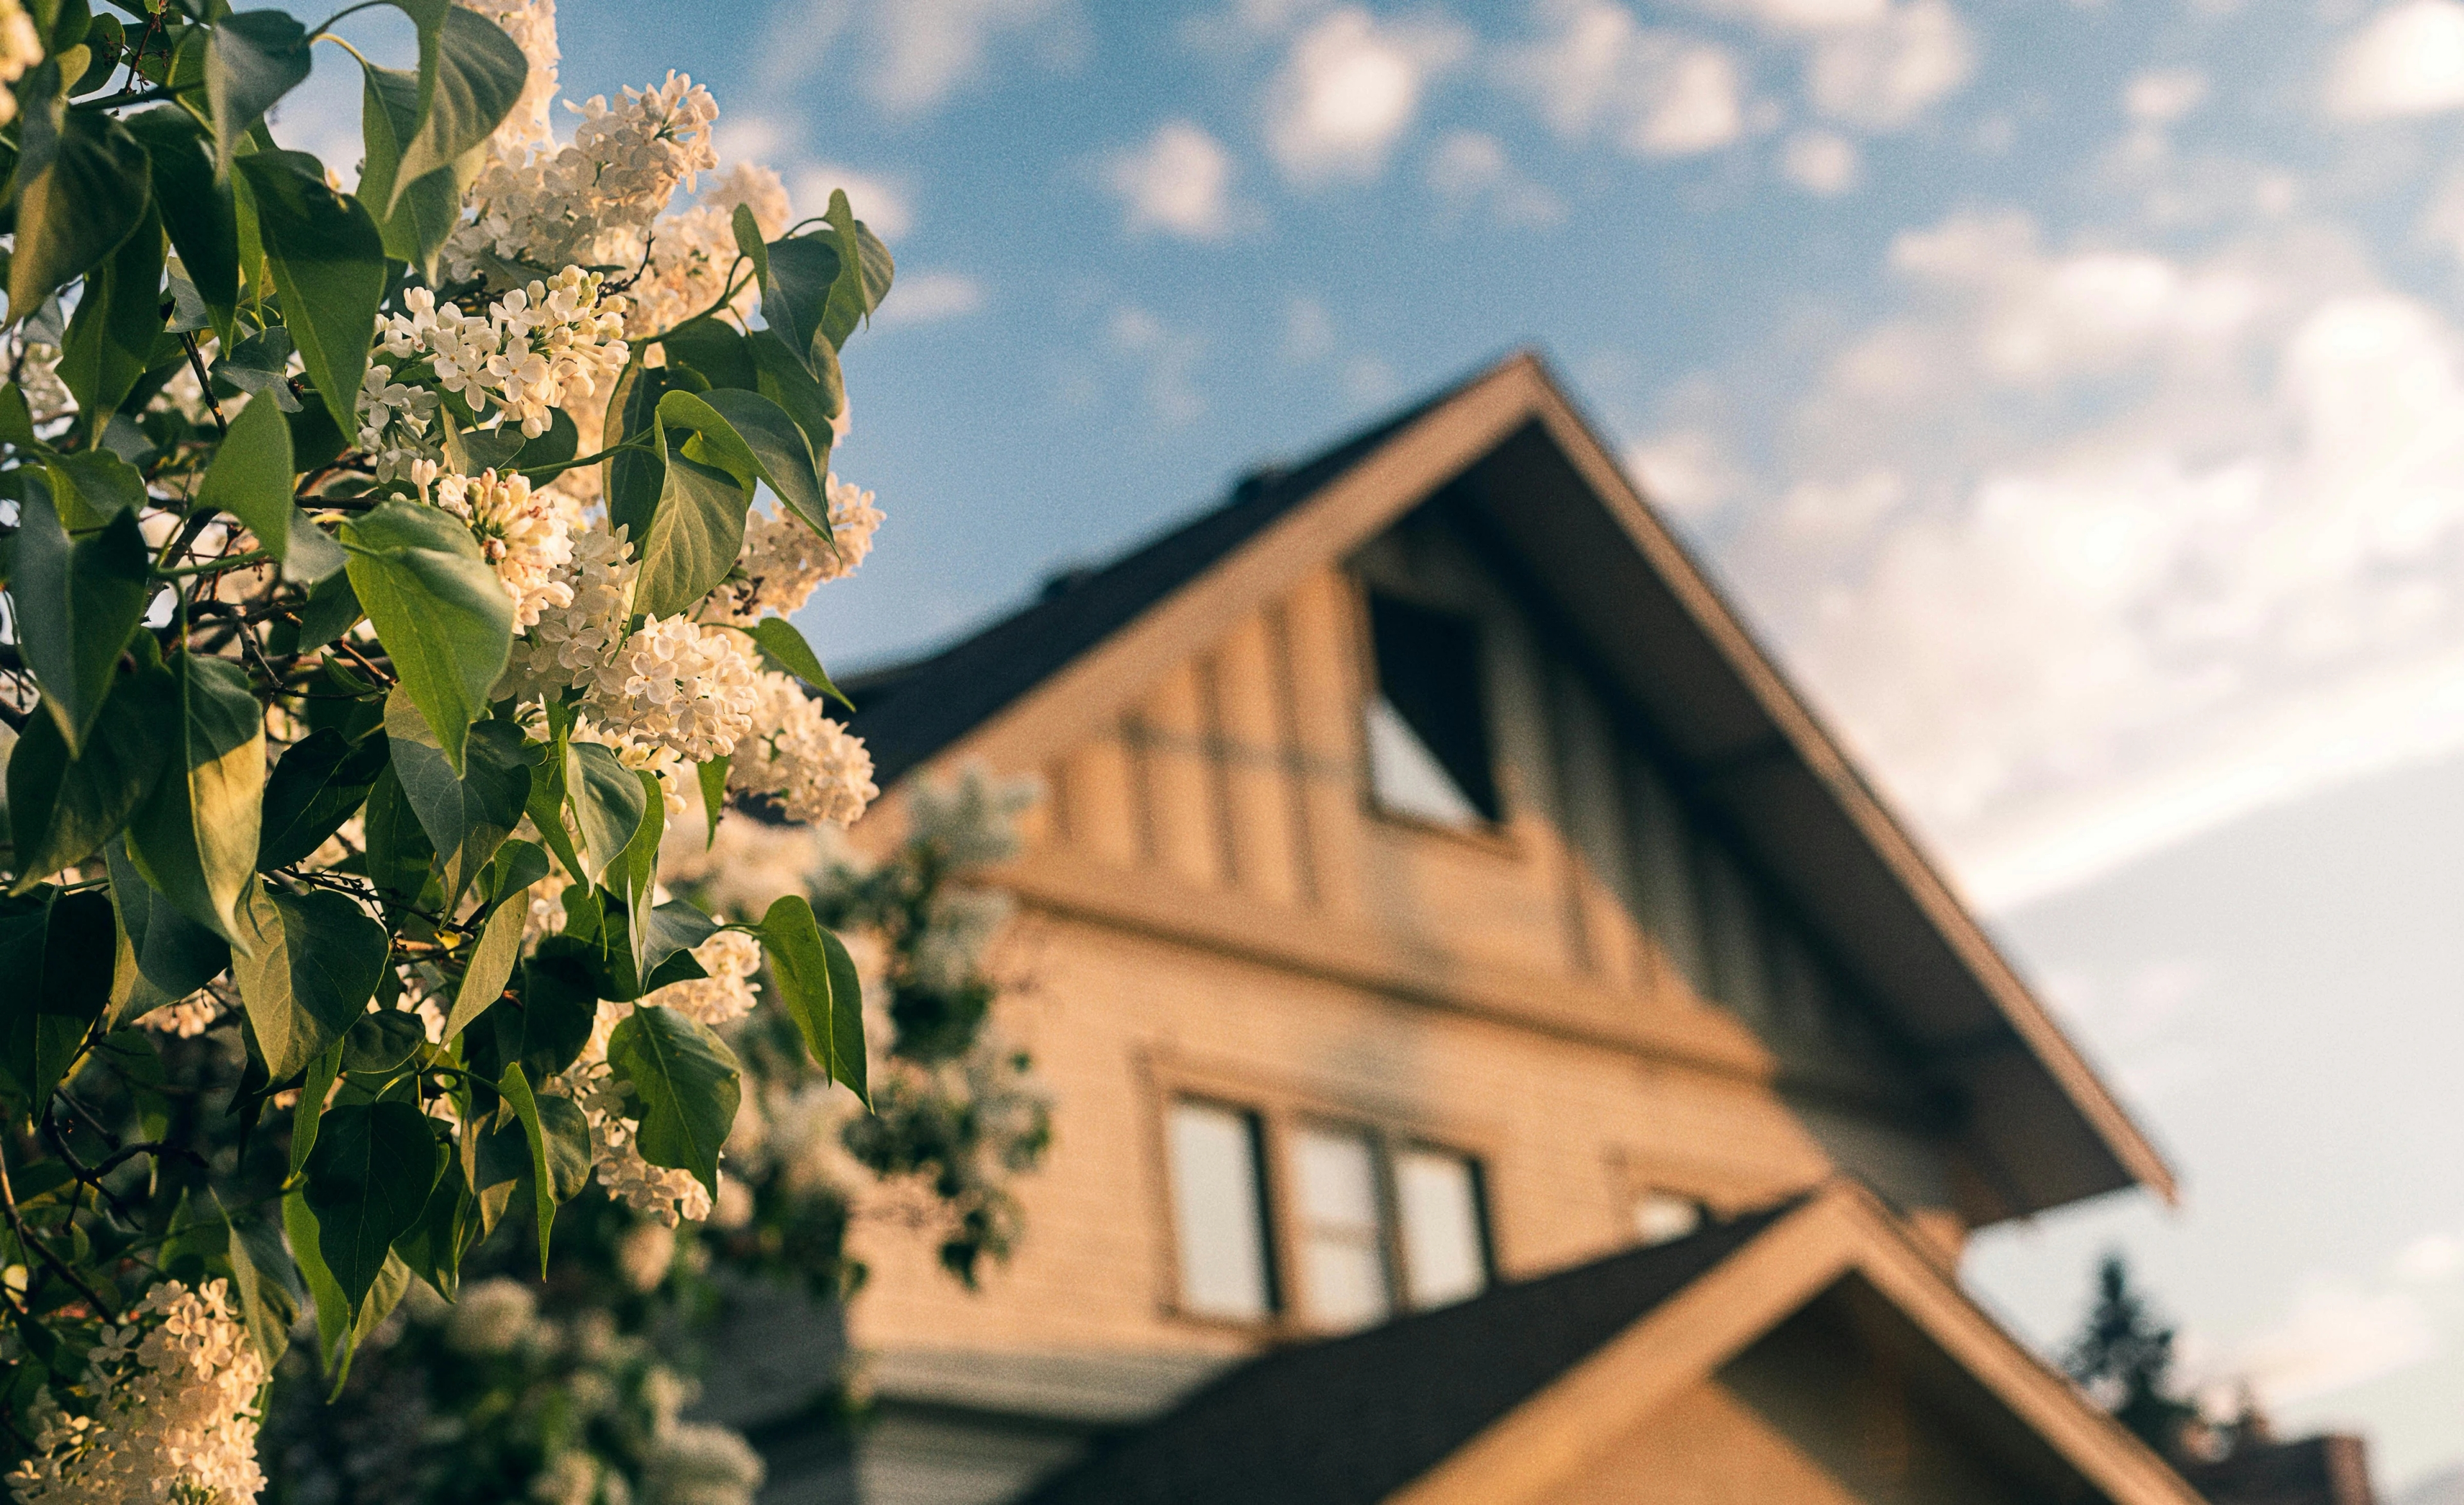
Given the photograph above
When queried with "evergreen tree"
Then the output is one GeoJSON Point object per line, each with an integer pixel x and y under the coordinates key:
{"type": "Point", "coordinates": [2123, 1358]}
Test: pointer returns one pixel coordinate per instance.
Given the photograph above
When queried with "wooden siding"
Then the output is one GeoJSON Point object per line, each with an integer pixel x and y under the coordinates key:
{"type": "Point", "coordinates": [1596, 996]}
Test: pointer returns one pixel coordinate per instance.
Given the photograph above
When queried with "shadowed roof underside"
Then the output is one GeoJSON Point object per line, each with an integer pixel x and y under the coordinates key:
{"type": "Point", "coordinates": [1548, 502]}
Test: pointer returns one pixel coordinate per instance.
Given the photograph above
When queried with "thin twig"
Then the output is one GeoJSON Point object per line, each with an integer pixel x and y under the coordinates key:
{"type": "Point", "coordinates": [18, 1226]}
{"type": "Point", "coordinates": [647, 240]}
{"type": "Point", "coordinates": [360, 658]}
{"type": "Point", "coordinates": [205, 383]}
{"type": "Point", "coordinates": [216, 566]}
{"type": "Point", "coordinates": [86, 1177]}
{"type": "Point", "coordinates": [91, 1122]}
{"type": "Point", "coordinates": [145, 39]}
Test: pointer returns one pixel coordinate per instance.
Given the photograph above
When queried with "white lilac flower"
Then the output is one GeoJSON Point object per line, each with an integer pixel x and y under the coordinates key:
{"type": "Point", "coordinates": [678, 684]}
{"type": "Point", "coordinates": [491, 1316]}
{"type": "Point", "coordinates": [393, 423]}
{"type": "Point", "coordinates": [782, 561]}
{"type": "Point", "coordinates": [188, 1018]}
{"type": "Point", "coordinates": [692, 253]}
{"type": "Point", "coordinates": [174, 1410]}
{"type": "Point", "coordinates": [701, 1463]}
{"type": "Point", "coordinates": [572, 644]}
{"type": "Point", "coordinates": [853, 521]}
{"type": "Point", "coordinates": [731, 958]}
{"type": "Point", "coordinates": [525, 535]}
{"type": "Point", "coordinates": [589, 203]}
{"type": "Point", "coordinates": [21, 47]}
{"type": "Point", "coordinates": [816, 768]}
{"type": "Point", "coordinates": [538, 348]}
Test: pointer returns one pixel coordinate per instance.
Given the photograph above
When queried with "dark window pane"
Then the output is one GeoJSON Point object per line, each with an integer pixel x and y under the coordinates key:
{"type": "Point", "coordinates": [1429, 695]}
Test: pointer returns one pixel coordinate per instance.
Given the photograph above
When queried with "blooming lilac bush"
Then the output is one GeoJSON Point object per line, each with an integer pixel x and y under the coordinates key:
{"type": "Point", "coordinates": [390, 575]}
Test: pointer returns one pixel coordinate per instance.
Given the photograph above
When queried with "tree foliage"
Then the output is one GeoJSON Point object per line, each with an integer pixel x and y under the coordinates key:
{"type": "Point", "coordinates": [2123, 1356]}
{"type": "Point", "coordinates": [384, 569]}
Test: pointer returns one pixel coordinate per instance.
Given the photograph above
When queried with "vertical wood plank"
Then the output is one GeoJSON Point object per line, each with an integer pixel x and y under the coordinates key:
{"type": "Point", "coordinates": [1663, 870]}
{"type": "Point", "coordinates": [1104, 814]}
{"type": "Point", "coordinates": [1182, 807]}
{"type": "Point", "coordinates": [1592, 806]}
{"type": "Point", "coordinates": [1217, 757]}
{"type": "Point", "coordinates": [1258, 804]}
{"type": "Point", "coordinates": [1291, 761]}
{"type": "Point", "coordinates": [1325, 695]}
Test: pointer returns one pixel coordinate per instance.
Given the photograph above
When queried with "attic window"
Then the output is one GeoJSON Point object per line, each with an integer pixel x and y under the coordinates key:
{"type": "Point", "coordinates": [1429, 754]}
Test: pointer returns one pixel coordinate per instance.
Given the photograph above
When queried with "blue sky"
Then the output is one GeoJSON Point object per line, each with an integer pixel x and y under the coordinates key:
{"type": "Point", "coordinates": [2072, 394]}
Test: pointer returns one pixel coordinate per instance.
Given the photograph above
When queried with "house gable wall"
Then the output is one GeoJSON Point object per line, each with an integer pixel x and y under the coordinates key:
{"type": "Point", "coordinates": [1810, 1415]}
{"type": "Point", "coordinates": [1592, 999]}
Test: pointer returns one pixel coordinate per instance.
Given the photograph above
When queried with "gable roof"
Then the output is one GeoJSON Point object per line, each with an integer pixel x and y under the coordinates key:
{"type": "Point", "coordinates": [1501, 1398]}
{"type": "Point", "coordinates": [1515, 462]}
{"type": "Point", "coordinates": [1358, 1418]}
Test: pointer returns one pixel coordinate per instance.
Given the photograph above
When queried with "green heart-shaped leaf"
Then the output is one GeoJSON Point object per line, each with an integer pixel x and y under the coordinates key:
{"type": "Point", "coordinates": [689, 1083]}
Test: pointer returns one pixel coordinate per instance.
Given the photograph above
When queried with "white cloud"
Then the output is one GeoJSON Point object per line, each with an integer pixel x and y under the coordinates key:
{"type": "Point", "coordinates": [1167, 356]}
{"type": "Point", "coordinates": [2089, 549]}
{"type": "Point", "coordinates": [916, 53]}
{"type": "Point", "coordinates": [1468, 167]}
{"type": "Point", "coordinates": [1656, 92]}
{"type": "Point", "coordinates": [1349, 88]}
{"type": "Point", "coordinates": [2408, 60]}
{"type": "Point", "coordinates": [1699, 108]}
{"type": "Point", "coordinates": [1177, 182]}
{"type": "Point", "coordinates": [1308, 332]}
{"type": "Point", "coordinates": [1821, 163]}
{"type": "Point", "coordinates": [1882, 75]}
{"type": "Point", "coordinates": [744, 136]}
{"type": "Point", "coordinates": [2037, 318]}
{"type": "Point", "coordinates": [1687, 472]}
{"type": "Point", "coordinates": [2161, 96]}
{"type": "Point", "coordinates": [2430, 1258]}
{"type": "Point", "coordinates": [931, 47]}
{"type": "Point", "coordinates": [1368, 381]}
{"type": "Point", "coordinates": [930, 297]}
{"type": "Point", "coordinates": [881, 203]}
{"type": "Point", "coordinates": [1803, 15]}
{"type": "Point", "coordinates": [2337, 1337]}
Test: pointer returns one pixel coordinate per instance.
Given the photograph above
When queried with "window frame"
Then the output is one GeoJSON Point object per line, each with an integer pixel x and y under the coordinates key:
{"type": "Point", "coordinates": [1491, 832]}
{"type": "Point", "coordinates": [1281, 1112]}
{"type": "Point", "coordinates": [1484, 1226]}
{"type": "Point", "coordinates": [1712, 1188]}
{"type": "Point", "coordinates": [1265, 1182]}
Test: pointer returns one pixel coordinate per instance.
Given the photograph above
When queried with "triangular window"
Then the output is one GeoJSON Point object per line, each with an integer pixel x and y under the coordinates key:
{"type": "Point", "coordinates": [1429, 754]}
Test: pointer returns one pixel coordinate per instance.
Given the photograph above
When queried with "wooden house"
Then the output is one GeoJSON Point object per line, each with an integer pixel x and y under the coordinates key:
{"type": "Point", "coordinates": [1438, 901]}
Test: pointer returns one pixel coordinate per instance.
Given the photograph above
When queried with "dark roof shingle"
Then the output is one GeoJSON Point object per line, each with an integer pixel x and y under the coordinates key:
{"type": "Point", "coordinates": [1352, 1419]}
